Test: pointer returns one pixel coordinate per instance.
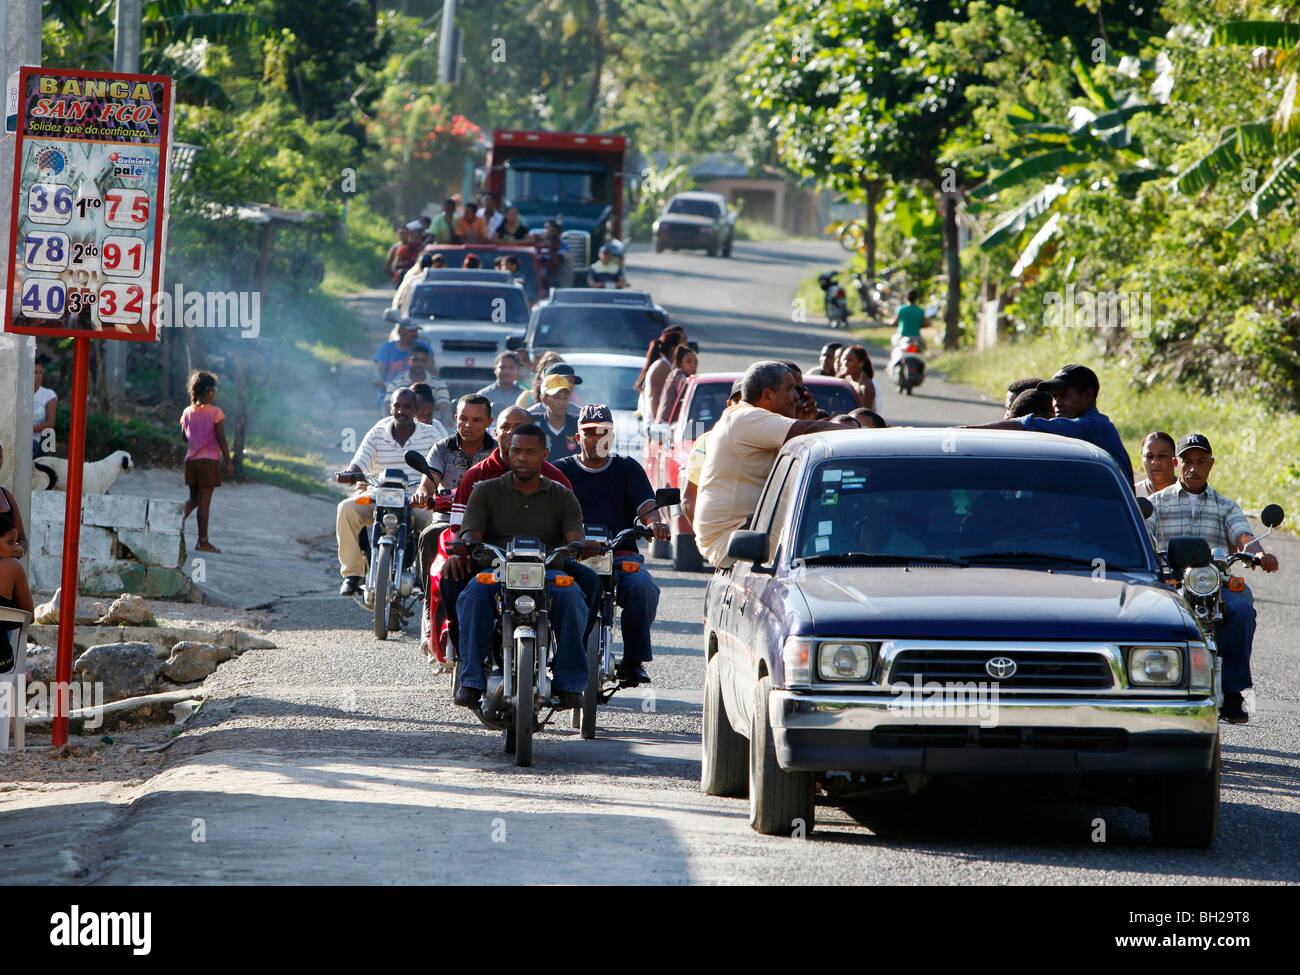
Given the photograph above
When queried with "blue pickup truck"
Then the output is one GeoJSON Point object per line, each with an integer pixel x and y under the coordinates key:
{"type": "Point", "coordinates": [912, 604]}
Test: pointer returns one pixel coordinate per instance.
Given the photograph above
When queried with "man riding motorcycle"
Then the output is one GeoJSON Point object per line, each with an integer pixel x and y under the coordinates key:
{"type": "Point", "coordinates": [382, 447]}
{"type": "Point", "coordinates": [615, 492]}
{"type": "Point", "coordinates": [1191, 507]}
{"type": "Point", "coordinates": [521, 502]}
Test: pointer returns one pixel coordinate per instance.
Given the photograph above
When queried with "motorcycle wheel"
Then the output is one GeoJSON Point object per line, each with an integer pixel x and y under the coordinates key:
{"type": "Point", "coordinates": [526, 671]}
{"type": "Point", "coordinates": [382, 568]}
{"type": "Point", "coordinates": [591, 693]}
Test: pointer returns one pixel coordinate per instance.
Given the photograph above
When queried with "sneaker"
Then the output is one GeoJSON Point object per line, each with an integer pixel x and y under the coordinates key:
{"type": "Point", "coordinates": [1232, 710]}
{"type": "Point", "coordinates": [351, 585]}
{"type": "Point", "coordinates": [467, 697]}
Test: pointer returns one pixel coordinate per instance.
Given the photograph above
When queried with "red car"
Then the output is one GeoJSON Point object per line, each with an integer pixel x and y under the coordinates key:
{"type": "Point", "coordinates": [697, 408]}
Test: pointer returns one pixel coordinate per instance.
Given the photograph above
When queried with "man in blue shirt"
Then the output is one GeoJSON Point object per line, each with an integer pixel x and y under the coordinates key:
{"type": "Point", "coordinates": [615, 492]}
{"type": "Point", "coordinates": [1074, 400]}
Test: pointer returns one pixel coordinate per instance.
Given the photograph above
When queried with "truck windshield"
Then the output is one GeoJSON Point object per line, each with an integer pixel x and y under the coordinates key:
{"type": "Point", "coordinates": [488, 256]}
{"type": "Point", "coordinates": [986, 511]}
{"type": "Point", "coordinates": [694, 208]}
{"type": "Point", "coordinates": [596, 328]}
{"type": "Point", "coordinates": [480, 303]}
{"type": "Point", "coordinates": [551, 186]}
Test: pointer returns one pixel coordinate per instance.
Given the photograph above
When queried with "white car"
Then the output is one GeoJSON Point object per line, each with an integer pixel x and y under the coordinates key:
{"type": "Point", "coordinates": [609, 378]}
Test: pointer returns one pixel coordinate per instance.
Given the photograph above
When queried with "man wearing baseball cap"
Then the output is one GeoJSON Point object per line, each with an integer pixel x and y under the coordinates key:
{"type": "Point", "coordinates": [1190, 506]}
{"type": "Point", "coordinates": [614, 491]}
{"type": "Point", "coordinates": [552, 413]}
{"type": "Point", "coordinates": [1074, 401]}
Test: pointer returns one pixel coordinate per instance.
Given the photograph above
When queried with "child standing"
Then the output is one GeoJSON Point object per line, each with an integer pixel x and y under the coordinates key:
{"type": "Point", "coordinates": [202, 424]}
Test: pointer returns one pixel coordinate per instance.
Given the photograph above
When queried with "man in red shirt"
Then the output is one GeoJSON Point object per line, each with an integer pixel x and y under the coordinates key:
{"type": "Point", "coordinates": [456, 569]}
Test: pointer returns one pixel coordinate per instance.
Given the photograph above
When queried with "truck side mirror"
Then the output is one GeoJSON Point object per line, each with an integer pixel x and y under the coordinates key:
{"type": "Point", "coordinates": [392, 315]}
{"type": "Point", "coordinates": [1188, 552]}
{"type": "Point", "coordinates": [747, 546]}
{"type": "Point", "coordinates": [514, 342]}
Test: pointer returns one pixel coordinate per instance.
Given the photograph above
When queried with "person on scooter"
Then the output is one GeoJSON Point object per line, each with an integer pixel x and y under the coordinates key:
{"type": "Point", "coordinates": [449, 459]}
{"type": "Point", "coordinates": [1158, 463]}
{"type": "Point", "coordinates": [384, 446]}
{"type": "Point", "coordinates": [522, 502]}
{"type": "Point", "coordinates": [1074, 400]}
{"type": "Point", "coordinates": [910, 319]}
{"type": "Point", "coordinates": [1191, 507]}
{"type": "Point", "coordinates": [615, 492]}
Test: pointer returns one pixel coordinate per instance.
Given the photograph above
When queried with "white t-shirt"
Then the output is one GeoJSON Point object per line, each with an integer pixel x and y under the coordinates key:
{"type": "Point", "coordinates": [43, 395]}
{"type": "Point", "coordinates": [495, 221]}
{"type": "Point", "coordinates": [742, 448]}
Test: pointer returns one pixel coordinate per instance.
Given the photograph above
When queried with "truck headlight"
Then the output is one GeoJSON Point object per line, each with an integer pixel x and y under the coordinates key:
{"type": "Point", "coordinates": [525, 575]}
{"type": "Point", "coordinates": [1155, 666]}
{"type": "Point", "coordinates": [1202, 581]}
{"type": "Point", "coordinates": [844, 661]}
{"type": "Point", "coordinates": [796, 654]}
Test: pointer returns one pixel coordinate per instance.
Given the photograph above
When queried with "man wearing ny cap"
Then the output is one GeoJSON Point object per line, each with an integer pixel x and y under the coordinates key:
{"type": "Point", "coordinates": [1074, 401]}
{"type": "Point", "coordinates": [1190, 506]}
{"type": "Point", "coordinates": [552, 413]}
{"type": "Point", "coordinates": [615, 492]}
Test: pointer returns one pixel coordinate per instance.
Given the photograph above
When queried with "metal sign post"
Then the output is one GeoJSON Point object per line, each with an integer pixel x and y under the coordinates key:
{"type": "Point", "coordinates": [89, 232]}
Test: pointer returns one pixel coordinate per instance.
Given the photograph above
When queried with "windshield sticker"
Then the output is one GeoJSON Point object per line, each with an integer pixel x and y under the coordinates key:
{"type": "Point", "coordinates": [831, 476]}
{"type": "Point", "coordinates": [855, 482]}
{"type": "Point", "coordinates": [829, 497]}
{"type": "Point", "coordinates": [823, 528]}
{"type": "Point", "coordinates": [821, 544]}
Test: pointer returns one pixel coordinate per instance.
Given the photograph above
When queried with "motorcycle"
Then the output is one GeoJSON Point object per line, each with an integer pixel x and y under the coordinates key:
{"type": "Point", "coordinates": [834, 302]}
{"type": "Point", "coordinates": [523, 643]}
{"type": "Point", "coordinates": [906, 364]}
{"type": "Point", "coordinates": [390, 590]}
{"type": "Point", "coordinates": [873, 295]}
{"type": "Point", "coordinates": [602, 676]}
{"type": "Point", "coordinates": [1203, 573]}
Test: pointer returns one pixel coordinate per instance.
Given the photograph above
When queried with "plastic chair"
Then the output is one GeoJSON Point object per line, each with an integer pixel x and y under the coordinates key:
{"type": "Point", "coordinates": [13, 683]}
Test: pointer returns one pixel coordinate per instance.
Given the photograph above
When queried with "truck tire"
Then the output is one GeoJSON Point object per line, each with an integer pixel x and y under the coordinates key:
{"type": "Point", "coordinates": [780, 802]}
{"type": "Point", "coordinates": [726, 251]}
{"type": "Point", "coordinates": [1185, 808]}
{"type": "Point", "coordinates": [713, 249]}
{"type": "Point", "coordinates": [686, 556]}
{"type": "Point", "coordinates": [723, 751]}
{"type": "Point", "coordinates": [659, 246]}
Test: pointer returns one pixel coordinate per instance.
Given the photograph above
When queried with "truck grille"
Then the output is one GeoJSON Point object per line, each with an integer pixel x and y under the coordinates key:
{"type": "Point", "coordinates": [1063, 670]}
{"type": "Point", "coordinates": [1070, 739]}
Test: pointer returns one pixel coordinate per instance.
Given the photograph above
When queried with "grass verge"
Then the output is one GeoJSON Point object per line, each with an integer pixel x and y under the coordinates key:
{"type": "Point", "coordinates": [1256, 449]}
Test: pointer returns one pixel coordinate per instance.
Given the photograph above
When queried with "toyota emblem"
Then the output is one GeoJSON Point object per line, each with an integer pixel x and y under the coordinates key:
{"type": "Point", "coordinates": [1001, 668]}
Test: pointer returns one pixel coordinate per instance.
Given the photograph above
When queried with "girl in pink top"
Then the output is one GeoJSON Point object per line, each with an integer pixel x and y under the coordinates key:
{"type": "Point", "coordinates": [203, 426]}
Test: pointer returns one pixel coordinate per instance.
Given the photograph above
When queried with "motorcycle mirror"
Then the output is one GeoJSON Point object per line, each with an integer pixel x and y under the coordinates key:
{"type": "Point", "coordinates": [416, 462]}
{"type": "Point", "coordinates": [1271, 516]}
{"type": "Point", "coordinates": [667, 497]}
{"type": "Point", "coordinates": [1146, 507]}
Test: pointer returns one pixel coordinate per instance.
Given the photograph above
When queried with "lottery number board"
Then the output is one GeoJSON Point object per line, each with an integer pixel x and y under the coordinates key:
{"type": "Point", "coordinates": [89, 221]}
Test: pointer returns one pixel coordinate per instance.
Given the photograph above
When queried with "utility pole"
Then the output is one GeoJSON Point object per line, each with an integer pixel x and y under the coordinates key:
{"type": "Point", "coordinates": [447, 48]}
{"type": "Point", "coordinates": [126, 60]}
{"type": "Point", "coordinates": [20, 33]}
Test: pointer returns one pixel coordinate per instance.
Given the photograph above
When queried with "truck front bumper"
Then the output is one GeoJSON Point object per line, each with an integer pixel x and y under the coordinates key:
{"type": "Point", "coordinates": [1012, 735]}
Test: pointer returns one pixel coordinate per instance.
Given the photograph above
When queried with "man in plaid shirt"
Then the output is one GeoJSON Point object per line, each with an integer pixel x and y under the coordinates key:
{"type": "Point", "coordinates": [1190, 507]}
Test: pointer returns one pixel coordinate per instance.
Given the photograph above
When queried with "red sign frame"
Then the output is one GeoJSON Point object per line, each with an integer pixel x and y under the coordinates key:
{"type": "Point", "coordinates": [69, 110]}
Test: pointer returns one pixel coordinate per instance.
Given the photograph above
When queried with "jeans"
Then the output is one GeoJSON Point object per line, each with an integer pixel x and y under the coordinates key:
{"type": "Point", "coordinates": [1236, 637]}
{"type": "Point", "coordinates": [476, 609]}
{"type": "Point", "coordinates": [584, 578]}
{"type": "Point", "coordinates": [638, 595]}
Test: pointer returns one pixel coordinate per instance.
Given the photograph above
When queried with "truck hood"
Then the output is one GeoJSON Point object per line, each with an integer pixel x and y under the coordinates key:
{"type": "Point", "coordinates": [991, 604]}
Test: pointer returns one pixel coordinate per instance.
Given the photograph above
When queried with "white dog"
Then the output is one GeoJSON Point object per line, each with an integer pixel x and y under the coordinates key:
{"type": "Point", "coordinates": [51, 473]}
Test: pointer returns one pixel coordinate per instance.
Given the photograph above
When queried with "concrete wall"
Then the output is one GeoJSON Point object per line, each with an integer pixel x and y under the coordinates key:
{"type": "Point", "coordinates": [128, 544]}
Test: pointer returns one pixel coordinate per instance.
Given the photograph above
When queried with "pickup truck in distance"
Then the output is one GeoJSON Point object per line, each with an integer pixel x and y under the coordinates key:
{"type": "Point", "coordinates": [910, 605]}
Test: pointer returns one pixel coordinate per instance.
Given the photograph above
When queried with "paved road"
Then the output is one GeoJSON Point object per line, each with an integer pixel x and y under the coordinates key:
{"type": "Point", "coordinates": [335, 758]}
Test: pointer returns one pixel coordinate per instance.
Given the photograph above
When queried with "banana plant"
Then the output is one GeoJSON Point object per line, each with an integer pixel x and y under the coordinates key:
{"type": "Point", "coordinates": [1065, 157]}
{"type": "Point", "coordinates": [1275, 139]}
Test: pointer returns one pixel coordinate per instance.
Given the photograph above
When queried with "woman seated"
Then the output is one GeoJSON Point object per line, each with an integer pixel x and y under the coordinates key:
{"type": "Point", "coordinates": [13, 587]}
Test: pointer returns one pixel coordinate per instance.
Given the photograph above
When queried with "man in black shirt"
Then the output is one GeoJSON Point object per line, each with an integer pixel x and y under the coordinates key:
{"type": "Point", "coordinates": [615, 492]}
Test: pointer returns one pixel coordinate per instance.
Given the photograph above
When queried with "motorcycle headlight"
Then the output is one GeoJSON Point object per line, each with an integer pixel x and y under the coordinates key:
{"type": "Point", "coordinates": [390, 521]}
{"type": "Point", "coordinates": [844, 661]}
{"type": "Point", "coordinates": [525, 575]}
{"type": "Point", "coordinates": [602, 565]}
{"type": "Point", "coordinates": [1155, 666]}
{"type": "Point", "coordinates": [525, 605]}
{"type": "Point", "coordinates": [390, 498]}
{"type": "Point", "coordinates": [1202, 581]}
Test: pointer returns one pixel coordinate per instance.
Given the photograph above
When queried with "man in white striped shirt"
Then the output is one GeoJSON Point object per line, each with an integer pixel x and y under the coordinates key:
{"type": "Point", "coordinates": [384, 446]}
